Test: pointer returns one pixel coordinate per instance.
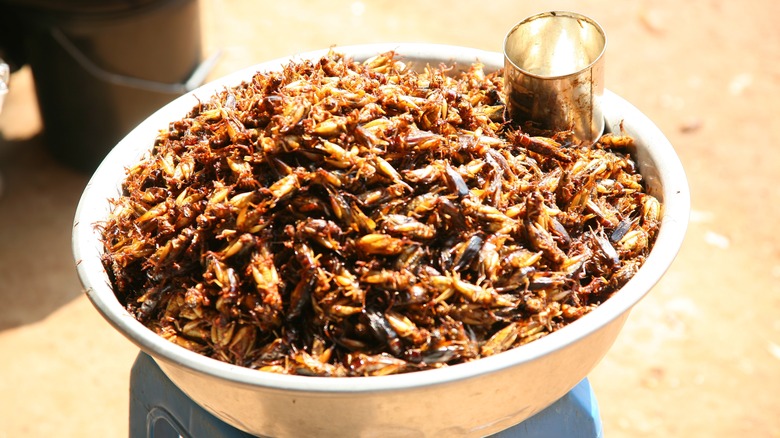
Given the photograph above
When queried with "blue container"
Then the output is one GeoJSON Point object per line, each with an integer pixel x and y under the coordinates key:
{"type": "Point", "coordinates": [158, 409]}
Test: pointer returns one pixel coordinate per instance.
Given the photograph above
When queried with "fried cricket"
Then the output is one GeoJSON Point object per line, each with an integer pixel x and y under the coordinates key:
{"type": "Point", "coordinates": [338, 218]}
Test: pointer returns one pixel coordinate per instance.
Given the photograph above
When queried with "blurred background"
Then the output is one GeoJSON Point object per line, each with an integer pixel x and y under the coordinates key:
{"type": "Point", "coordinates": [700, 356]}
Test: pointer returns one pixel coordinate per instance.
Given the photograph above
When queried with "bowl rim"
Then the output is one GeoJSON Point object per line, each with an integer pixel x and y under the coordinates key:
{"type": "Point", "coordinates": [93, 206]}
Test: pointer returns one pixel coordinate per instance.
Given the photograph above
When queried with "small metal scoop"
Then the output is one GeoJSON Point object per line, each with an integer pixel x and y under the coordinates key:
{"type": "Point", "coordinates": [554, 73]}
{"type": "Point", "coordinates": [5, 76]}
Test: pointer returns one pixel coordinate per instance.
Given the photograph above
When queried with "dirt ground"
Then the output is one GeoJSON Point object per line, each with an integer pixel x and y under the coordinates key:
{"type": "Point", "coordinates": [699, 357]}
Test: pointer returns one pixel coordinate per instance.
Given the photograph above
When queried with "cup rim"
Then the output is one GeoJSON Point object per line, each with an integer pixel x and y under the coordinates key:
{"type": "Point", "coordinates": [564, 14]}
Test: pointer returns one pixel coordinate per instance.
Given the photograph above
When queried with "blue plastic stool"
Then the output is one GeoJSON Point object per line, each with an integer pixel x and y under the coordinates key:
{"type": "Point", "coordinates": [159, 409]}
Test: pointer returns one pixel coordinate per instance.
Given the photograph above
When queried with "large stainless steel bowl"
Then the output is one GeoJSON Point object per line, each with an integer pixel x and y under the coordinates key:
{"type": "Point", "coordinates": [472, 399]}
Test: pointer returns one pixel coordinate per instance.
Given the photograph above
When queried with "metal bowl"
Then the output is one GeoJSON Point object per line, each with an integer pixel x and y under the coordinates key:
{"type": "Point", "coordinates": [471, 399]}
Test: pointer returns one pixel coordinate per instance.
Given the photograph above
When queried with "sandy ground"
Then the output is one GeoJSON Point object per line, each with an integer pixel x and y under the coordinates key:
{"type": "Point", "coordinates": [700, 356]}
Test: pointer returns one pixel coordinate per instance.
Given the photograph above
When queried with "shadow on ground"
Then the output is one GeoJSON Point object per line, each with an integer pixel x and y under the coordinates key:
{"type": "Point", "coordinates": [38, 199]}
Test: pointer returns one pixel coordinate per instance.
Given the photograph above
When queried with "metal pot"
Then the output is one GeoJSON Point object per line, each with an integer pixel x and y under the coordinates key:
{"type": "Point", "coordinates": [471, 399]}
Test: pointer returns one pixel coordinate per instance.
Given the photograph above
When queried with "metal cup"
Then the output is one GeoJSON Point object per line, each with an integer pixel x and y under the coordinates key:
{"type": "Point", "coordinates": [554, 73]}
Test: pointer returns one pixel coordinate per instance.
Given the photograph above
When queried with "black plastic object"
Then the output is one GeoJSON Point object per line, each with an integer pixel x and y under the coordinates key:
{"type": "Point", "coordinates": [100, 68]}
{"type": "Point", "coordinates": [82, 7]}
